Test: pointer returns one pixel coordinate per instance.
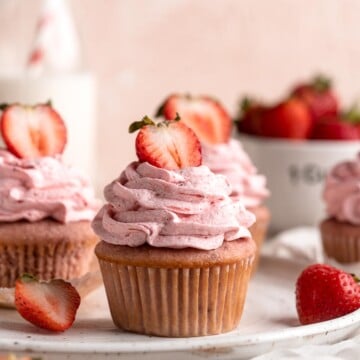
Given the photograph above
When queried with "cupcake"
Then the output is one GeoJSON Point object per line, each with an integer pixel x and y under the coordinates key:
{"type": "Point", "coordinates": [223, 155]}
{"type": "Point", "coordinates": [46, 206]}
{"type": "Point", "coordinates": [175, 251]}
{"type": "Point", "coordinates": [247, 185]}
{"type": "Point", "coordinates": [340, 232]}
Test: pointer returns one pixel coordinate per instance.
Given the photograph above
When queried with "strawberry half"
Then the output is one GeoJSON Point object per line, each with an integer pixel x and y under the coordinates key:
{"type": "Point", "coordinates": [206, 116]}
{"type": "Point", "coordinates": [168, 144]}
{"type": "Point", "coordinates": [33, 131]}
{"type": "Point", "coordinates": [48, 305]}
{"type": "Point", "coordinates": [324, 292]}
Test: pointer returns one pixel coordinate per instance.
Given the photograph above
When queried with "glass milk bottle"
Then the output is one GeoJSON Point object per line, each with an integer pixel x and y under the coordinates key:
{"type": "Point", "coordinates": [51, 70]}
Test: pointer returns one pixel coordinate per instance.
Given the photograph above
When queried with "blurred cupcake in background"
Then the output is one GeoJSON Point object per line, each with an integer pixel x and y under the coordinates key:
{"type": "Point", "coordinates": [340, 232]}
{"type": "Point", "coordinates": [46, 205]}
{"type": "Point", "coordinates": [231, 160]}
{"type": "Point", "coordinates": [223, 155]}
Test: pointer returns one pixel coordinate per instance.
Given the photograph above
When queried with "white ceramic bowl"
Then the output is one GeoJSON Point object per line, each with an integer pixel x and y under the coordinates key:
{"type": "Point", "coordinates": [295, 172]}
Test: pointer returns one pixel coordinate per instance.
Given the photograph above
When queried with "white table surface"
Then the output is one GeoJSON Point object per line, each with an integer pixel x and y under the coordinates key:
{"type": "Point", "coordinates": [302, 244]}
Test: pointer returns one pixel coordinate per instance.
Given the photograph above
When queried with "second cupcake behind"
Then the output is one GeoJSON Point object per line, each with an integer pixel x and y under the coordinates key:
{"type": "Point", "coordinates": [224, 155]}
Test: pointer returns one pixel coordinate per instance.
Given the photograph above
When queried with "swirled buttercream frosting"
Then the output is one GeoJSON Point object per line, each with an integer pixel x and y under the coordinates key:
{"type": "Point", "coordinates": [231, 160]}
{"type": "Point", "coordinates": [342, 192]}
{"type": "Point", "coordinates": [190, 207]}
{"type": "Point", "coordinates": [44, 187]}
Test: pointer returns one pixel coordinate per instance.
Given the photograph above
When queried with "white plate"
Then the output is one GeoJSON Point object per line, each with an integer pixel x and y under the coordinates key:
{"type": "Point", "coordinates": [269, 321]}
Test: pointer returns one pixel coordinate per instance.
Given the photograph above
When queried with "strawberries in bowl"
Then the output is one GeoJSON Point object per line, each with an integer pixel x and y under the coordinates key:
{"type": "Point", "coordinates": [311, 111]}
{"type": "Point", "coordinates": [319, 96]}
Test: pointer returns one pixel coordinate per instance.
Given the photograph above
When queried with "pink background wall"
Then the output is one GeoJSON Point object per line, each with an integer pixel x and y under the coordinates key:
{"type": "Point", "coordinates": [140, 50]}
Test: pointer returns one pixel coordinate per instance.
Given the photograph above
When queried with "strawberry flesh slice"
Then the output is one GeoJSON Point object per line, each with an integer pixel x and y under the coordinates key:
{"type": "Point", "coordinates": [48, 305]}
{"type": "Point", "coordinates": [168, 144]}
{"type": "Point", "coordinates": [206, 116]}
{"type": "Point", "coordinates": [33, 131]}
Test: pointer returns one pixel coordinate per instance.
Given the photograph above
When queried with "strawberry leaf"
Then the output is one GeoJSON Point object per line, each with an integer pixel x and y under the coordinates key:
{"type": "Point", "coordinates": [137, 125]}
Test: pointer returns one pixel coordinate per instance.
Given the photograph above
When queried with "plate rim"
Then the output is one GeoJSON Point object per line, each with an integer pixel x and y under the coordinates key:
{"type": "Point", "coordinates": [230, 339]}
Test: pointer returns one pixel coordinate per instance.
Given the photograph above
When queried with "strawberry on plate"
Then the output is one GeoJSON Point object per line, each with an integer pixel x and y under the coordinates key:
{"type": "Point", "coordinates": [324, 292]}
{"type": "Point", "coordinates": [206, 116]}
{"type": "Point", "coordinates": [289, 119]}
{"type": "Point", "coordinates": [334, 128]}
{"type": "Point", "coordinates": [319, 96]}
{"type": "Point", "coordinates": [48, 305]}
{"type": "Point", "coordinates": [167, 144]}
{"type": "Point", "coordinates": [32, 131]}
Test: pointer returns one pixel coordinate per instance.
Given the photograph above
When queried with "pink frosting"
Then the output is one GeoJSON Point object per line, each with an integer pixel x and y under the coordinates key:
{"type": "Point", "coordinates": [231, 160]}
{"type": "Point", "coordinates": [190, 207]}
{"type": "Point", "coordinates": [342, 192]}
{"type": "Point", "coordinates": [34, 189]}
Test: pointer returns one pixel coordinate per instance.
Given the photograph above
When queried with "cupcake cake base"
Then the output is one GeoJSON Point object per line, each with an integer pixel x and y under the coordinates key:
{"type": "Point", "coordinates": [259, 229]}
{"type": "Point", "coordinates": [46, 249]}
{"type": "Point", "coordinates": [340, 240]}
{"type": "Point", "coordinates": [176, 293]}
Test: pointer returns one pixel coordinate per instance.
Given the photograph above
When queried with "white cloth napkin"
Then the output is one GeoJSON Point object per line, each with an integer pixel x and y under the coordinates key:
{"type": "Point", "coordinates": [304, 245]}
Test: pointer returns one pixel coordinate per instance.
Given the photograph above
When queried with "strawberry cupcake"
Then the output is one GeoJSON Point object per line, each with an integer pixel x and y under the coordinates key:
{"type": "Point", "coordinates": [223, 155]}
{"type": "Point", "coordinates": [175, 251]}
{"type": "Point", "coordinates": [340, 232]}
{"type": "Point", "coordinates": [46, 206]}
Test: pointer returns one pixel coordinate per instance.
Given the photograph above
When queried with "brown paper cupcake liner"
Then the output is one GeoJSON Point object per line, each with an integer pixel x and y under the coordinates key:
{"type": "Point", "coordinates": [176, 302]}
{"type": "Point", "coordinates": [45, 250]}
{"type": "Point", "coordinates": [259, 230]}
{"type": "Point", "coordinates": [341, 241]}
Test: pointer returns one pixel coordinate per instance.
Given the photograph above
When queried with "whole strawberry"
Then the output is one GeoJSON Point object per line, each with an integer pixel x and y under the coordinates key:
{"type": "Point", "coordinates": [334, 128]}
{"type": "Point", "coordinates": [289, 119]}
{"type": "Point", "coordinates": [250, 115]}
{"type": "Point", "coordinates": [319, 96]}
{"type": "Point", "coordinates": [324, 292]}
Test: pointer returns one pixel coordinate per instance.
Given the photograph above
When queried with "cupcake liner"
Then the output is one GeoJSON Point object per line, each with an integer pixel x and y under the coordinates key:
{"type": "Point", "coordinates": [341, 241]}
{"type": "Point", "coordinates": [45, 261]}
{"type": "Point", "coordinates": [176, 302]}
{"type": "Point", "coordinates": [259, 230]}
{"type": "Point", "coordinates": [45, 249]}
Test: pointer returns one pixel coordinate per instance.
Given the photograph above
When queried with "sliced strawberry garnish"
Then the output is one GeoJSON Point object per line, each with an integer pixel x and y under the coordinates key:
{"type": "Point", "coordinates": [49, 305]}
{"type": "Point", "coordinates": [168, 144]}
{"type": "Point", "coordinates": [33, 131]}
{"type": "Point", "coordinates": [206, 116]}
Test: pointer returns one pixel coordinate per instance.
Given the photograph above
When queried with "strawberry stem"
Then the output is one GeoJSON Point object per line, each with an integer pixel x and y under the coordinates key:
{"type": "Point", "coordinates": [356, 279]}
{"type": "Point", "coordinates": [4, 106]}
{"type": "Point", "coordinates": [137, 125]}
{"type": "Point", "coordinates": [321, 83]}
{"type": "Point", "coordinates": [28, 277]}
{"type": "Point", "coordinates": [352, 115]}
